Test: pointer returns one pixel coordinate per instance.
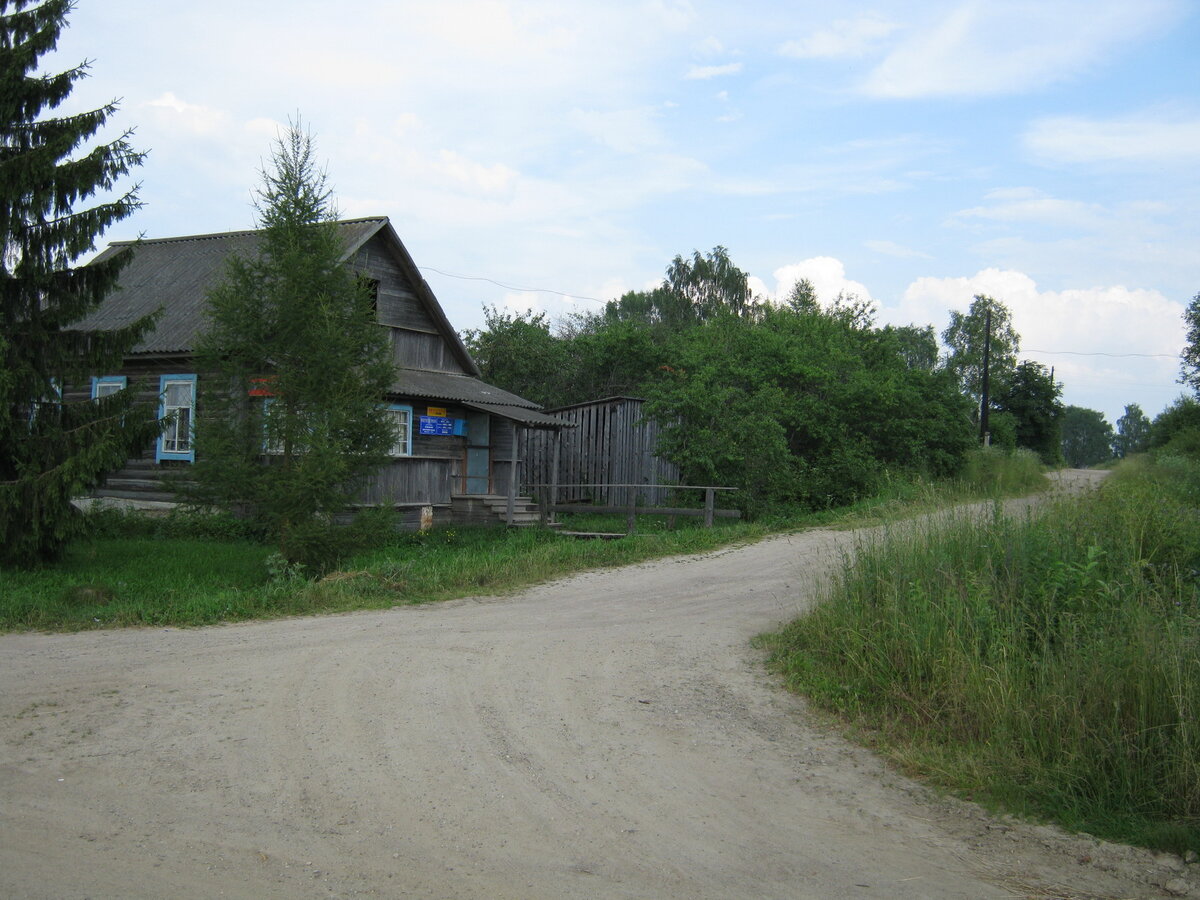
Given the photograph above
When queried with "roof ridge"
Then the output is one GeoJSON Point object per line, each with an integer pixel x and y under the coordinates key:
{"type": "Point", "coordinates": [228, 234]}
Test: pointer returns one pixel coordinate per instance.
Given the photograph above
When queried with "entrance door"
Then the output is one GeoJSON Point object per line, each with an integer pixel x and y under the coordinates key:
{"type": "Point", "coordinates": [479, 454]}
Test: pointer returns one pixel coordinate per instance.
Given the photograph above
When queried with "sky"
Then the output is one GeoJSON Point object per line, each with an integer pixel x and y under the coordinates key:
{"type": "Point", "coordinates": [549, 155]}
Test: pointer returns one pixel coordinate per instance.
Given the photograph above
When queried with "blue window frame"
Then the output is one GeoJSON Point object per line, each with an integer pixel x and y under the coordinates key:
{"type": "Point", "coordinates": [107, 384]}
{"type": "Point", "coordinates": [402, 418]}
{"type": "Point", "coordinates": [177, 402]}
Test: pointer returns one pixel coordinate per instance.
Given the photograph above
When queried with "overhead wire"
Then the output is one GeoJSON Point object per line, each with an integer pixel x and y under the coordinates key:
{"type": "Point", "coordinates": [570, 296]}
{"type": "Point", "coordinates": [511, 287]}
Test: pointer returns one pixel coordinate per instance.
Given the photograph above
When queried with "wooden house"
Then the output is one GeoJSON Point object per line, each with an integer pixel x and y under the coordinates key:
{"type": "Point", "coordinates": [458, 435]}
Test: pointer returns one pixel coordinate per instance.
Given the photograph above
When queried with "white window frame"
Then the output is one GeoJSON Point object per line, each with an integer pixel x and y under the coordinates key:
{"type": "Point", "coordinates": [104, 385]}
{"type": "Point", "coordinates": [403, 415]}
{"type": "Point", "coordinates": [168, 445]}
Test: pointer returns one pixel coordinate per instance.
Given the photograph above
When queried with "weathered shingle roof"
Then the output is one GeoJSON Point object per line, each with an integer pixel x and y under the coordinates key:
{"type": "Point", "coordinates": [473, 393]}
{"type": "Point", "coordinates": [175, 274]}
{"type": "Point", "coordinates": [448, 386]}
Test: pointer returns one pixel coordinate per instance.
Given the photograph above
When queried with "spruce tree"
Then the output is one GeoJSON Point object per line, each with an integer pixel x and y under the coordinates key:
{"type": "Point", "coordinates": [292, 423]}
{"type": "Point", "coordinates": [52, 450]}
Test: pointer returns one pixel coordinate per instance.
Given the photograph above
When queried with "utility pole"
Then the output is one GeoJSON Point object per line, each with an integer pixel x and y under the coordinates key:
{"type": "Point", "coordinates": [987, 347]}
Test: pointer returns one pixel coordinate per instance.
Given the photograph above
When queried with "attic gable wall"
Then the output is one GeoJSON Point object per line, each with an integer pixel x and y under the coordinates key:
{"type": "Point", "coordinates": [399, 305]}
{"type": "Point", "coordinates": [417, 342]}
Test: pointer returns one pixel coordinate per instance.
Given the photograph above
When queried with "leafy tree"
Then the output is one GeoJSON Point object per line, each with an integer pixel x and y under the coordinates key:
{"type": "Point", "coordinates": [1178, 422]}
{"type": "Point", "coordinates": [1031, 397]}
{"type": "Point", "coordinates": [1086, 437]}
{"type": "Point", "coordinates": [802, 406]}
{"type": "Point", "coordinates": [295, 322]}
{"type": "Point", "coordinates": [918, 346]}
{"type": "Point", "coordinates": [53, 448]}
{"type": "Point", "coordinates": [965, 338]}
{"type": "Point", "coordinates": [694, 290]}
{"type": "Point", "coordinates": [518, 352]}
{"type": "Point", "coordinates": [1133, 432]}
{"type": "Point", "coordinates": [1189, 368]}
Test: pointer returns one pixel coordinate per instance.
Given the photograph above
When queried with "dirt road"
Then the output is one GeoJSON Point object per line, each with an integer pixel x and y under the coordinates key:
{"type": "Point", "coordinates": [607, 735]}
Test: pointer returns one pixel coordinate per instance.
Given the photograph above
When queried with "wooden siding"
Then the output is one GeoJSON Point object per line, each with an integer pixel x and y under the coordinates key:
{"type": "Point", "coordinates": [141, 478]}
{"type": "Point", "coordinates": [411, 482]}
{"type": "Point", "coordinates": [611, 445]}
{"type": "Point", "coordinates": [418, 350]}
{"type": "Point", "coordinates": [398, 304]}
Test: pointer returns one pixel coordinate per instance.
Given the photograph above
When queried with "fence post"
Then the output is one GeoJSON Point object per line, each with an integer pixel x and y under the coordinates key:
{"type": "Point", "coordinates": [709, 497]}
{"type": "Point", "coordinates": [512, 478]}
{"type": "Point", "coordinates": [631, 517]}
{"type": "Point", "coordinates": [554, 473]}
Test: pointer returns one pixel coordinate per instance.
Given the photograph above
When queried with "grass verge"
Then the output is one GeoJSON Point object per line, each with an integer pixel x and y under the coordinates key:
{"type": "Point", "coordinates": [200, 570]}
{"type": "Point", "coordinates": [157, 577]}
{"type": "Point", "coordinates": [1049, 665]}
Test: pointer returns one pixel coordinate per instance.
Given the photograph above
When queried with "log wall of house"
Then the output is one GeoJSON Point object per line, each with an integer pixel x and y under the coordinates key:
{"type": "Point", "coordinates": [611, 444]}
{"type": "Point", "coordinates": [142, 478]}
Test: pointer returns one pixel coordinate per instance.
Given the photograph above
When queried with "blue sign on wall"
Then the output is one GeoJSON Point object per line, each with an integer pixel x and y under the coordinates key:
{"type": "Point", "coordinates": [436, 425]}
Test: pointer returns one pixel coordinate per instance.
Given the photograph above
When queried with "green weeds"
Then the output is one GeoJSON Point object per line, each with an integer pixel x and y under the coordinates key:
{"type": "Point", "coordinates": [138, 571]}
{"type": "Point", "coordinates": [1049, 663]}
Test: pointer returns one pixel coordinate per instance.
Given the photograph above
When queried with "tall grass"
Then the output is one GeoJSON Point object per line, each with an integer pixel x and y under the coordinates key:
{"type": "Point", "coordinates": [136, 571]}
{"type": "Point", "coordinates": [1049, 663]}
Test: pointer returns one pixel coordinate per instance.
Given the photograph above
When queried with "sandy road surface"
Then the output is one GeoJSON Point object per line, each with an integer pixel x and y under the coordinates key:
{"type": "Point", "coordinates": [607, 735]}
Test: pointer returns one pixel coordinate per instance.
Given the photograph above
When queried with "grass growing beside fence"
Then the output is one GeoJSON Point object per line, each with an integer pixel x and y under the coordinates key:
{"type": "Point", "coordinates": [1050, 664]}
{"type": "Point", "coordinates": [200, 570]}
{"type": "Point", "coordinates": [151, 572]}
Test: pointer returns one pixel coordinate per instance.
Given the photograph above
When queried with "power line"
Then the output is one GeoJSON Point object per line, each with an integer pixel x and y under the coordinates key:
{"type": "Point", "coordinates": [570, 296]}
{"type": "Point", "coordinates": [510, 287]}
{"type": "Point", "coordinates": [1111, 355]}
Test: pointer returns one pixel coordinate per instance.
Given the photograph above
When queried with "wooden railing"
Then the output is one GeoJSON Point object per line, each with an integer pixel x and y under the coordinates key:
{"type": "Point", "coordinates": [631, 509]}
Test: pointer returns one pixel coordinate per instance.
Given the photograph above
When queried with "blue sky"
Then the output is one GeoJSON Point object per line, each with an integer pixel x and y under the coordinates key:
{"type": "Point", "coordinates": [916, 153]}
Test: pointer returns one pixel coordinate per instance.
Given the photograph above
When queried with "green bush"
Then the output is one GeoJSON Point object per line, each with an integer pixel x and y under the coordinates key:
{"type": "Point", "coordinates": [996, 472]}
{"type": "Point", "coordinates": [1049, 663]}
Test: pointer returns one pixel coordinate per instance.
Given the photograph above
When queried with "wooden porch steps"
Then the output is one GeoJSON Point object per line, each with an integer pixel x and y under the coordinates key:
{"type": "Point", "coordinates": [492, 509]}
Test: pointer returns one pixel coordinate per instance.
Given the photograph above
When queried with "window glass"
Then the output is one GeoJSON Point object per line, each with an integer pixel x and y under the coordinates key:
{"type": "Point", "coordinates": [178, 405]}
{"type": "Point", "coordinates": [106, 385]}
{"type": "Point", "coordinates": [402, 421]}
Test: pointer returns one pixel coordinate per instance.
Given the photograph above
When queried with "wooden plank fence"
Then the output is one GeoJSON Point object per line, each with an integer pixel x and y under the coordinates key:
{"type": "Point", "coordinates": [607, 458]}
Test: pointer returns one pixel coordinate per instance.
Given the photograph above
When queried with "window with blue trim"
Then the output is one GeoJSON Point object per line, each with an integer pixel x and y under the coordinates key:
{"type": "Point", "coordinates": [107, 384]}
{"type": "Point", "coordinates": [177, 403]}
{"type": "Point", "coordinates": [401, 417]}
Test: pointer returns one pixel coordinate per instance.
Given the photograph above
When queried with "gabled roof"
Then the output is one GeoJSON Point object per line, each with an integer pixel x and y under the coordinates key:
{"type": "Point", "coordinates": [176, 274]}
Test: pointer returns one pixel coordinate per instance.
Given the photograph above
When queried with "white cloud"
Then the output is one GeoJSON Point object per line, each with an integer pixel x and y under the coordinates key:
{"type": "Point", "coordinates": [999, 48]}
{"type": "Point", "coordinates": [828, 277]}
{"type": "Point", "coordinates": [1148, 138]}
{"type": "Point", "coordinates": [898, 251]}
{"type": "Point", "coordinates": [844, 38]}
{"type": "Point", "coordinates": [702, 73]}
{"type": "Point", "coordinates": [1031, 205]}
{"type": "Point", "coordinates": [494, 179]}
{"type": "Point", "coordinates": [624, 130]}
{"type": "Point", "coordinates": [1061, 329]}
{"type": "Point", "coordinates": [204, 121]}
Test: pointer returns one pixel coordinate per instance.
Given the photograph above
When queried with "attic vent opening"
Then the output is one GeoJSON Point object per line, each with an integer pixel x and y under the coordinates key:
{"type": "Point", "coordinates": [371, 286]}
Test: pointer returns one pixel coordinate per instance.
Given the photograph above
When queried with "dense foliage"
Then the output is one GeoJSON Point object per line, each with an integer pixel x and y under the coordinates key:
{"type": "Point", "coordinates": [1177, 426]}
{"type": "Point", "coordinates": [295, 326]}
{"type": "Point", "coordinates": [1189, 368]}
{"type": "Point", "coordinates": [51, 450]}
{"type": "Point", "coordinates": [1031, 397]}
{"type": "Point", "coordinates": [1086, 437]}
{"type": "Point", "coordinates": [803, 406]}
{"type": "Point", "coordinates": [1048, 662]}
{"type": "Point", "coordinates": [967, 337]}
{"type": "Point", "coordinates": [796, 404]}
{"type": "Point", "coordinates": [1133, 432]}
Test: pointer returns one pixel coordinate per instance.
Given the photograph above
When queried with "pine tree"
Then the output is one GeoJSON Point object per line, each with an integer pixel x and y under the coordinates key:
{"type": "Point", "coordinates": [52, 450]}
{"type": "Point", "coordinates": [294, 325]}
